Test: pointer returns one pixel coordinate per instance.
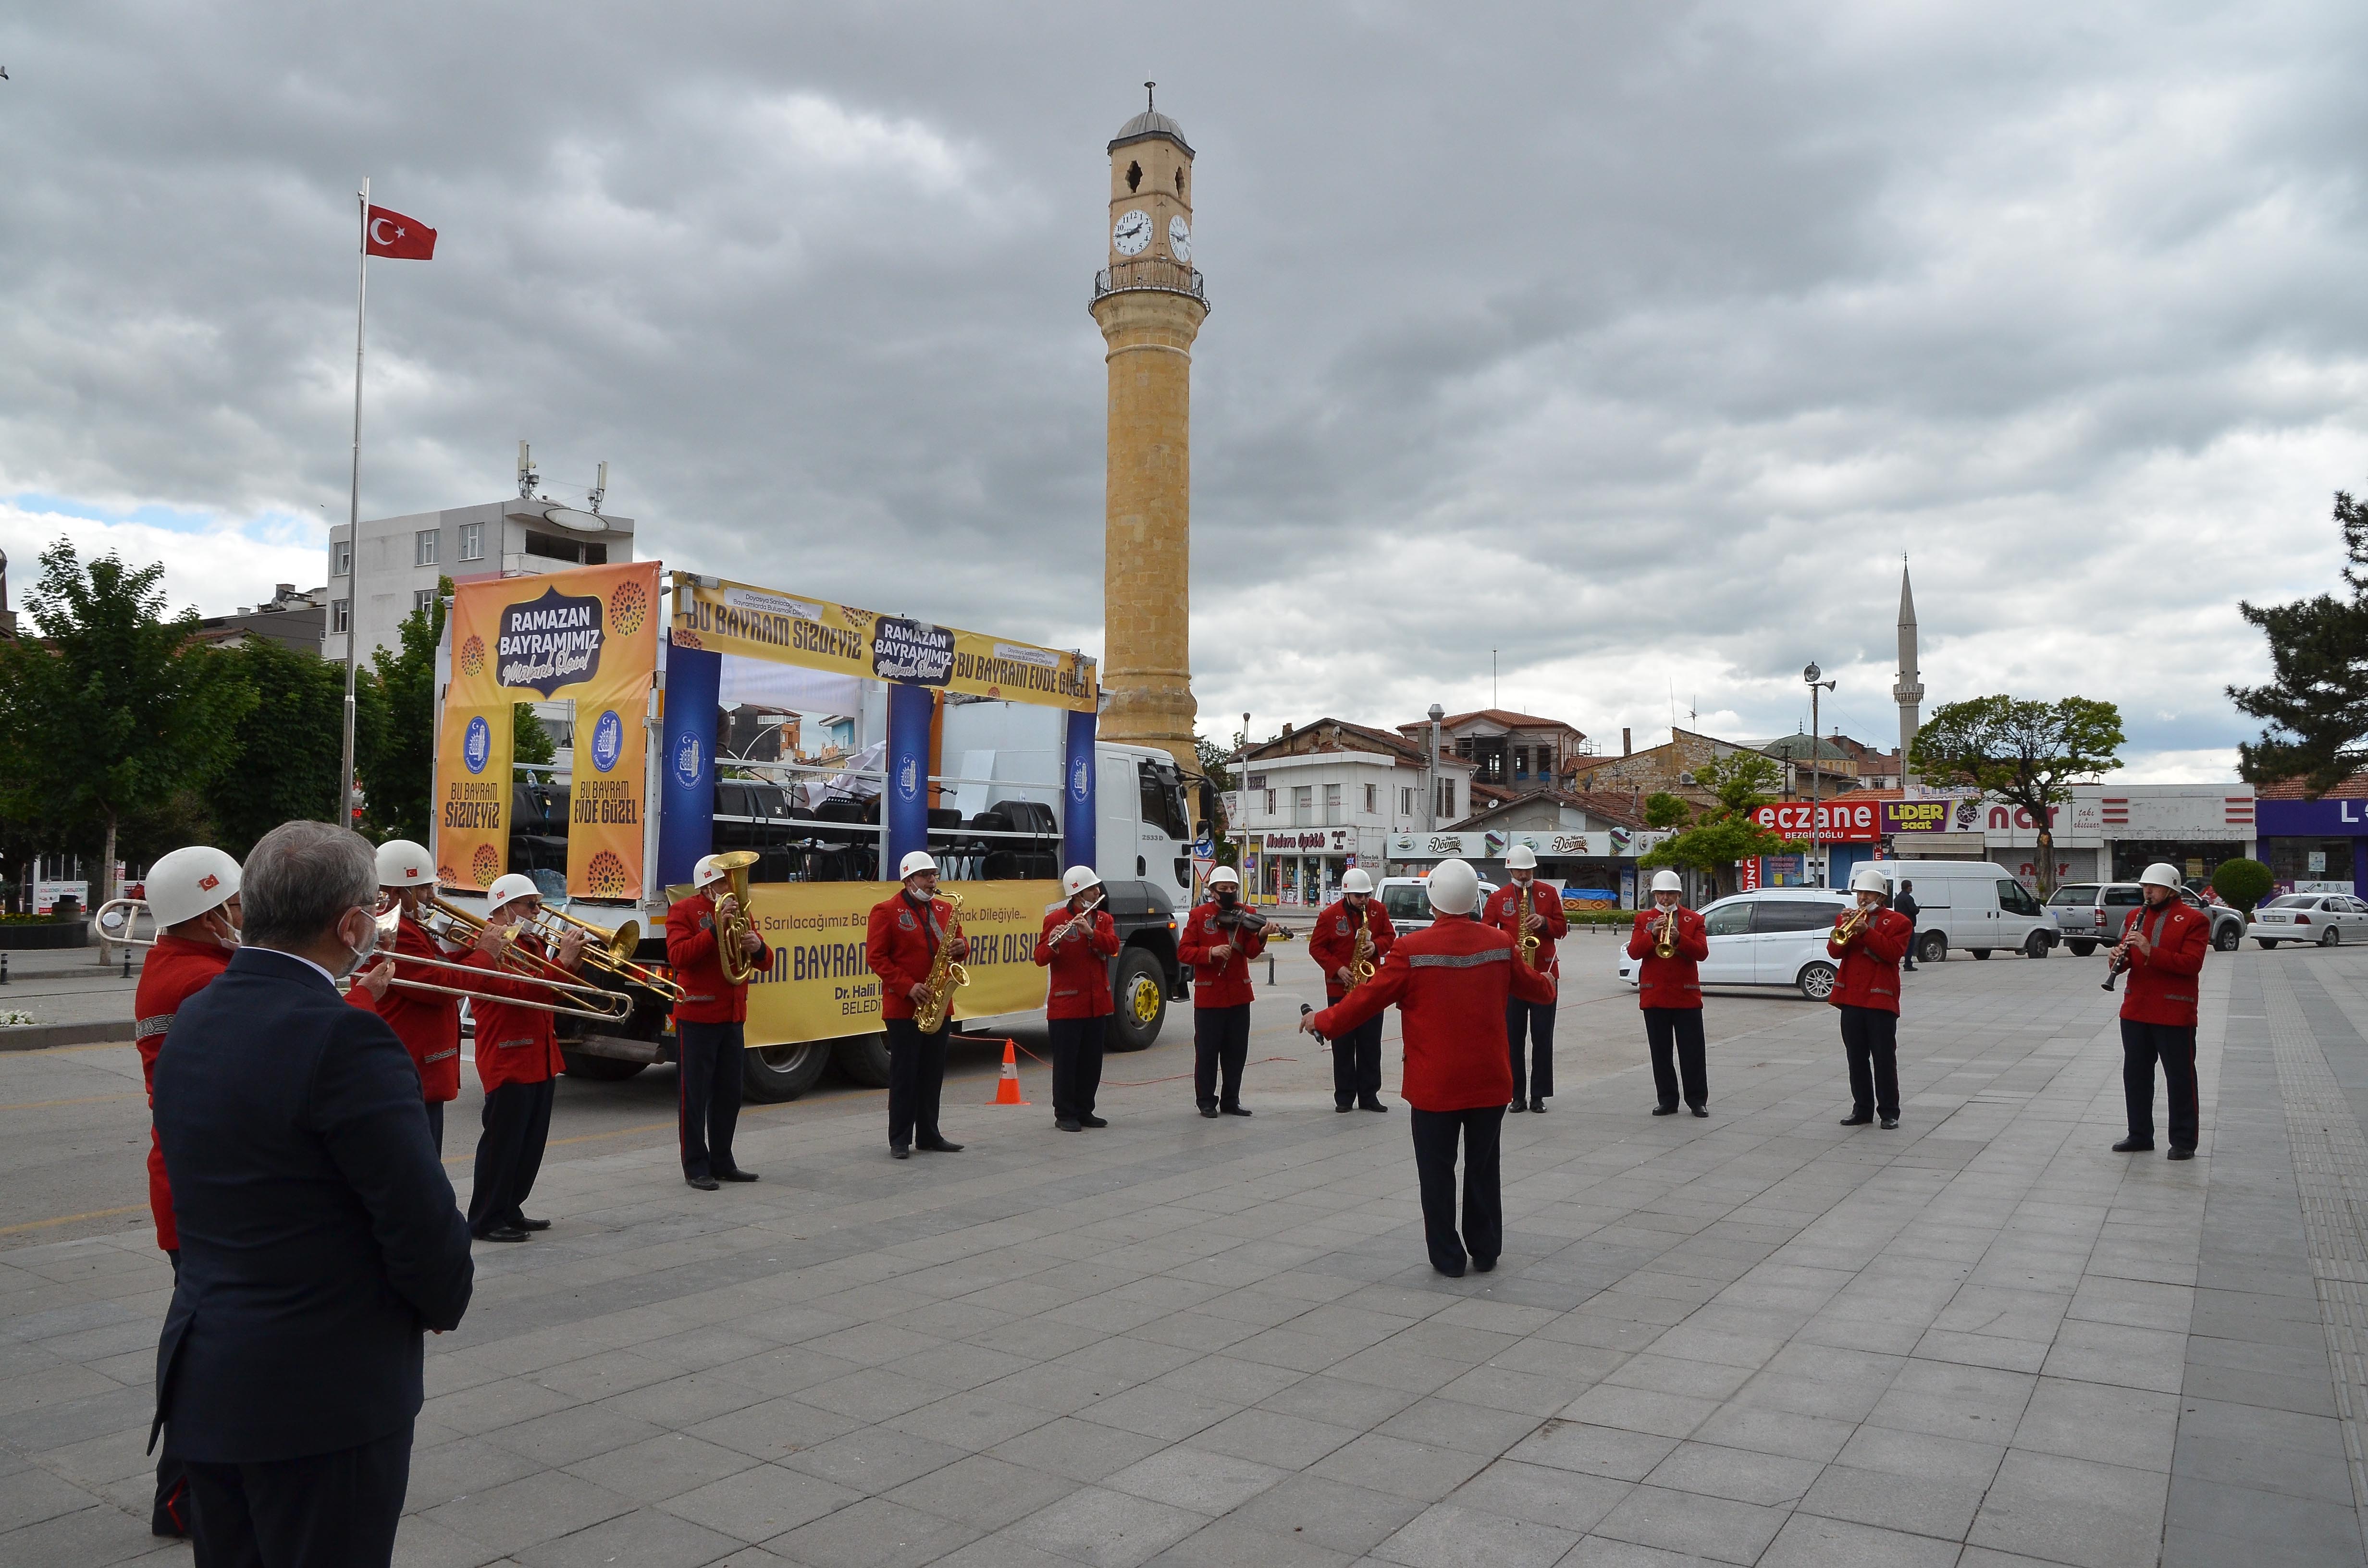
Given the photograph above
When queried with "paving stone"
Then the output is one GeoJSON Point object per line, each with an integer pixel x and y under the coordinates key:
{"type": "Point", "coordinates": [2074, 1511]}
{"type": "Point", "coordinates": [1713, 1528]}
{"type": "Point", "coordinates": [1737, 1473]}
{"type": "Point", "coordinates": [1107, 1529]}
{"type": "Point", "coordinates": [1810, 1541]}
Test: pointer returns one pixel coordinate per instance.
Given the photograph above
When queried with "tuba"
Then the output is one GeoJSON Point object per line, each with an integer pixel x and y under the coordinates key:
{"type": "Point", "coordinates": [738, 967]}
{"type": "Point", "coordinates": [944, 974]}
{"type": "Point", "coordinates": [1665, 942]}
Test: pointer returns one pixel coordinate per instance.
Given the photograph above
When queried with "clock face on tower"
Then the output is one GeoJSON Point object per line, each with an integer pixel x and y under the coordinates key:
{"type": "Point", "coordinates": [1179, 238]}
{"type": "Point", "coordinates": [1133, 232]}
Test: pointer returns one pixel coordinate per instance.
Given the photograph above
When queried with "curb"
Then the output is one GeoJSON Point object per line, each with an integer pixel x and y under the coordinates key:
{"type": "Point", "coordinates": [41, 1036]}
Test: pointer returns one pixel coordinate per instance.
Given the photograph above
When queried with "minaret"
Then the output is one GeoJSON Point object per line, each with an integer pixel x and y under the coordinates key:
{"type": "Point", "coordinates": [1149, 305]}
{"type": "Point", "coordinates": [1909, 690]}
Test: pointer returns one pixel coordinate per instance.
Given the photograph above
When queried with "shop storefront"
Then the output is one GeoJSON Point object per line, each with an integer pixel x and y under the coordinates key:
{"type": "Point", "coordinates": [2314, 846]}
{"type": "Point", "coordinates": [1301, 870]}
{"type": "Point", "coordinates": [1594, 871]}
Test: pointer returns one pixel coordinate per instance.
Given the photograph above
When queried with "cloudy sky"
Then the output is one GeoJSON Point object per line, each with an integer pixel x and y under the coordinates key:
{"type": "Point", "coordinates": [1633, 342]}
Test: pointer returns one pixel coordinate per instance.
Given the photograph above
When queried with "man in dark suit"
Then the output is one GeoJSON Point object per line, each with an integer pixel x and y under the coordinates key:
{"type": "Point", "coordinates": [319, 1235]}
{"type": "Point", "coordinates": [1906, 904]}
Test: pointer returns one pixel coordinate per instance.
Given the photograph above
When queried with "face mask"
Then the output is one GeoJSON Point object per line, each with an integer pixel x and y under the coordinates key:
{"type": "Point", "coordinates": [1226, 895]}
{"type": "Point", "coordinates": [369, 945]}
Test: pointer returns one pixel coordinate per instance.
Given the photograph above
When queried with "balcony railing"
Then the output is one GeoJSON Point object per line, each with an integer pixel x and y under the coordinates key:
{"type": "Point", "coordinates": [1162, 273]}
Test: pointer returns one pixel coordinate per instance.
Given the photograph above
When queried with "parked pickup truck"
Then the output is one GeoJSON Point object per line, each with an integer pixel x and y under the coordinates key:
{"type": "Point", "coordinates": [2090, 914]}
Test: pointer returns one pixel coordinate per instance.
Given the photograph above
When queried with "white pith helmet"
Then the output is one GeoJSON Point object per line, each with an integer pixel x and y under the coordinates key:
{"type": "Point", "coordinates": [2161, 874]}
{"type": "Point", "coordinates": [188, 882]}
{"type": "Point", "coordinates": [1453, 887]}
{"type": "Point", "coordinates": [1356, 881]}
{"type": "Point", "coordinates": [1668, 881]}
{"type": "Point", "coordinates": [1076, 880]}
{"type": "Point", "coordinates": [1866, 879]}
{"type": "Point", "coordinates": [1521, 858]}
{"type": "Point", "coordinates": [916, 860]}
{"type": "Point", "coordinates": [1225, 876]}
{"type": "Point", "coordinates": [403, 864]}
{"type": "Point", "coordinates": [709, 869]}
{"type": "Point", "coordinates": [509, 890]}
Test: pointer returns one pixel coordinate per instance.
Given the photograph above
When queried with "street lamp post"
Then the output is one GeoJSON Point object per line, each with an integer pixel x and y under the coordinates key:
{"type": "Point", "coordinates": [1430, 770]}
{"type": "Point", "coordinates": [1816, 847]}
{"type": "Point", "coordinates": [1242, 784]}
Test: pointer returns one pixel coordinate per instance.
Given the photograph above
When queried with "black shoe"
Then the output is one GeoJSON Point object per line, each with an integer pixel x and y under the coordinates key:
{"type": "Point", "coordinates": [1344, 1109]}
{"type": "Point", "coordinates": [1665, 1110]}
{"type": "Point", "coordinates": [523, 1223]}
{"type": "Point", "coordinates": [1856, 1119]}
{"type": "Point", "coordinates": [1485, 1265]}
{"type": "Point", "coordinates": [1234, 1110]}
{"type": "Point", "coordinates": [1068, 1124]}
{"type": "Point", "coordinates": [1372, 1105]}
{"type": "Point", "coordinates": [2180, 1153]}
{"type": "Point", "coordinates": [2135, 1146]}
{"type": "Point", "coordinates": [1092, 1122]}
{"type": "Point", "coordinates": [940, 1147]}
{"type": "Point", "coordinates": [1455, 1273]}
{"type": "Point", "coordinates": [1210, 1111]}
{"type": "Point", "coordinates": [1700, 1111]}
{"type": "Point", "coordinates": [501, 1233]}
{"type": "Point", "coordinates": [1516, 1109]}
{"type": "Point", "coordinates": [1537, 1108]}
{"type": "Point", "coordinates": [899, 1151]}
{"type": "Point", "coordinates": [1889, 1122]}
{"type": "Point", "coordinates": [704, 1184]}
{"type": "Point", "coordinates": [737, 1175]}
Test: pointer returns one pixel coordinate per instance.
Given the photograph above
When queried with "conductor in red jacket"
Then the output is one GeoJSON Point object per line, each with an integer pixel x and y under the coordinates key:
{"type": "Point", "coordinates": [1525, 903]}
{"type": "Point", "coordinates": [1451, 981]}
{"type": "Point", "coordinates": [1870, 940]}
{"type": "Point", "coordinates": [2162, 947]}
{"type": "Point", "coordinates": [709, 1023]}
{"type": "Point", "coordinates": [906, 930]}
{"type": "Point", "coordinates": [1219, 943]}
{"type": "Point", "coordinates": [1669, 992]}
{"type": "Point", "coordinates": [518, 1058]}
{"type": "Point", "coordinates": [427, 1024]}
{"type": "Point", "coordinates": [1356, 1055]}
{"type": "Point", "coordinates": [1077, 943]}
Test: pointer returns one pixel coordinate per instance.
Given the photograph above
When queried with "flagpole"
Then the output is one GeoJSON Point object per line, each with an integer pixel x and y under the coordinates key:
{"type": "Point", "coordinates": [345, 817]}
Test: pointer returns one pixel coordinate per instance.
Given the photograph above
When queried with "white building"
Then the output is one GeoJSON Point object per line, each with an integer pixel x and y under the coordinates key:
{"type": "Point", "coordinates": [1321, 799]}
{"type": "Point", "coordinates": [2104, 833]}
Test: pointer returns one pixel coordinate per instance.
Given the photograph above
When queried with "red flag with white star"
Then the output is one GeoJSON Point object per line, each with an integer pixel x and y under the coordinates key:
{"type": "Point", "coordinates": [394, 235]}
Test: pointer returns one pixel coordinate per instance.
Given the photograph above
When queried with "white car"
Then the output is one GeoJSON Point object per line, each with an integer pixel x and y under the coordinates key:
{"type": "Point", "coordinates": [2325, 918]}
{"type": "Point", "coordinates": [1773, 938]}
{"type": "Point", "coordinates": [1407, 904]}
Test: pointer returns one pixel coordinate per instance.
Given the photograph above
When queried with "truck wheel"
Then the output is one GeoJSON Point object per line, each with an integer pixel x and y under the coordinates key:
{"type": "Point", "coordinates": [599, 1069]}
{"type": "Point", "coordinates": [2038, 945]}
{"type": "Point", "coordinates": [2081, 949]}
{"type": "Point", "coordinates": [1816, 982]}
{"type": "Point", "coordinates": [1981, 952]}
{"type": "Point", "coordinates": [2231, 937]}
{"type": "Point", "coordinates": [776, 1072]}
{"type": "Point", "coordinates": [1140, 992]}
{"type": "Point", "coordinates": [863, 1058]}
{"type": "Point", "coordinates": [2266, 946]}
{"type": "Point", "coordinates": [1933, 948]}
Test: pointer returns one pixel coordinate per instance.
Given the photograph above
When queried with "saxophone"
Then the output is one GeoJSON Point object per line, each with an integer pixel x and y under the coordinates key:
{"type": "Point", "coordinates": [944, 974]}
{"type": "Point", "coordinates": [1525, 941]}
{"type": "Point", "coordinates": [1361, 967]}
{"type": "Point", "coordinates": [1665, 944]}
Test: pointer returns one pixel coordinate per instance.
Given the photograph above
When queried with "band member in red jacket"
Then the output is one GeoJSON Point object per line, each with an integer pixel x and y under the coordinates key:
{"type": "Point", "coordinates": [1356, 1055]}
{"type": "Point", "coordinates": [2162, 947]}
{"type": "Point", "coordinates": [1669, 992]}
{"type": "Point", "coordinates": [429, 1025]}
{"type": "Point", "coordinates": [710, 1025]}
{"type": "Point", "coordinates": [1525, 903]}
{"type": "Point", "coordinates": [1219, 940]}
{"type": "Point", "coordinates": [907, 928]}
{"type": "Point", "coordinates": [1451, 981]}
{"type": "Point", "coordinates": [518, 1058]}
{"type": "Point", "coordinates": [1077, 943]}
{"type": "Point", "coordinates": [1867, 992]}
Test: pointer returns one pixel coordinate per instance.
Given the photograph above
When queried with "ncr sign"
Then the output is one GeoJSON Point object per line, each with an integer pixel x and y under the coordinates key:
{"type": "Point", "coordinates": [1833, 822]}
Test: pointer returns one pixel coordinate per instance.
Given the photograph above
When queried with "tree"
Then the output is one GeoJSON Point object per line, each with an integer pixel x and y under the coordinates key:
{"type": "Point", "coordinates": [2026, 752]}
{"type": "Point", "coordinates": [2242, 883]}
{"type": "Point", "coordinates": [112, 714]}
{"type": "Point", "coordinates": [394, 752]}
{"type": "Point", "coordinates": [2316, 707]}
{"type": "Point", "coordinates": [1663, 810]}
{"type": "Point", "coordinates": [1724, 835]}
{"type": "Point", "coordinates": [290, 744]}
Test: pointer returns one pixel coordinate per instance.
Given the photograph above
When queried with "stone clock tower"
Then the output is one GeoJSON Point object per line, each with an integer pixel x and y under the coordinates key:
{"type": "Point", "coordinates": [1149, 305]}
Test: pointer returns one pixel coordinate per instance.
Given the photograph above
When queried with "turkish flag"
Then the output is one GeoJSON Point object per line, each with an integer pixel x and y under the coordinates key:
{"type": "Point", "coordinates": [393, 234]}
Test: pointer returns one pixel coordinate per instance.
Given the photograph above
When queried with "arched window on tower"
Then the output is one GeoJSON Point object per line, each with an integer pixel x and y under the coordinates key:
{"type": "Point", "coordinates": [1133, 176]}
{"type": "Point", "coordinates": [1179, 182]}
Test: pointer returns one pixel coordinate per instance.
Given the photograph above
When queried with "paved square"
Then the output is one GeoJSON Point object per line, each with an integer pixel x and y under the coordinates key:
{"type": "Point", "coordinates": [1980, 1340]}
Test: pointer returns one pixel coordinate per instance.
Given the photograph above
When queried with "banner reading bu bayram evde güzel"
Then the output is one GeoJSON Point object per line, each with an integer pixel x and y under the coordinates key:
{"type": "Point", "coordinates": [590, 636]}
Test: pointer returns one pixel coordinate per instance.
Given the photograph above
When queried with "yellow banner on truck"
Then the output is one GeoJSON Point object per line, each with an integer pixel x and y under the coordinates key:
{"type": "Point", "coordinates": [821, 987]}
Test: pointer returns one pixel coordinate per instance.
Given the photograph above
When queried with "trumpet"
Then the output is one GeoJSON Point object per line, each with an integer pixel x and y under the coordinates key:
{"type": "Point", "coordinates": [1665, 943]}
{"type": "Point", "coordinates": [1852, 926]}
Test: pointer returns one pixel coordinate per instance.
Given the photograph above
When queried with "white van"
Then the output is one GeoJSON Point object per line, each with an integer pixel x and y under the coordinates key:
{"type": "Point", "coordinates": [1773, 938]}
{"type": "Point", "coordinates": [1406, 901]}
{"type": "Point", "coordinates": [1970, 904]}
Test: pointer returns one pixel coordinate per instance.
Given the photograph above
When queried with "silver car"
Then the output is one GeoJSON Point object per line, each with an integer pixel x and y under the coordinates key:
{"type": "Point", "coordinates": [2325, 918]}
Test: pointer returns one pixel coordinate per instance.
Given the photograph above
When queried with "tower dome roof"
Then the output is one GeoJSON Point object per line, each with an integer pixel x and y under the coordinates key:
{"type": "Point", "coordinates": [1148, 124]}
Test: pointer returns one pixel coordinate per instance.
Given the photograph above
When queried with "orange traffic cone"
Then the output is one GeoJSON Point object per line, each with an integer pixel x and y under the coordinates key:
{"type": "Point", "coordinates": [1006, 1089]}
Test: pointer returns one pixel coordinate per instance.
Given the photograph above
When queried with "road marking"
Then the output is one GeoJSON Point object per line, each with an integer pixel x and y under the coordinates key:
{"type": "Point", "coordinates": [87, 1100]}
{"type": "Point", "coordinates": [70, 1219]}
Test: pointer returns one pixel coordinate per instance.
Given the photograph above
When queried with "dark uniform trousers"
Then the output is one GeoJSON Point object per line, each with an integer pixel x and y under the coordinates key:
{"type": "Point", "coordinates": [1435, 1135]}
{"type": "Point", "coordinates": [171, 1514]}
{"type": "Point", "coordinates": [1221, 1038]}
{"type": "Point", "coordinates": [1675, 1035]}
{"type": "Point", "coordinates": [1076, 1065]}
{"type": "Point", "coordinates": [917, 1077]}
{"type": "Point", "coordinates": [2174, 1046]}
{"type": "Point", "coordinates": [1870, 1041]}
{"type": "Point", "coordinates": [707, 1105]}
{"type": "Point", "coordinates": [509, 1154]}
{"type": "Point", "coordinates": [1357, 1065]}
{"type": "Point", "coordinates": [1532, 1078]}
{"type": "Point", "coordinates": [331, 1510]}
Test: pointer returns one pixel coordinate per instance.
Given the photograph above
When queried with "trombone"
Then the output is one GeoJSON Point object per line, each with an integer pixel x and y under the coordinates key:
{"type": "Point", "coordinates": [611, 952]}
{"type": "Point", "coordinates": [573, 999]}
{"type": "Point", "coordinates": [114, 919]}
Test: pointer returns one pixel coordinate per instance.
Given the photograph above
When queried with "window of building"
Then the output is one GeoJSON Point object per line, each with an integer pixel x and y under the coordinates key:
{"type": "Point", "coordinates": [423, 547]}
{"type": "Point", "coordinates": [554, 549]}
{"type": "Point", "coordinates": [345, 558]}
{"type": "Point", "coordinates": [1331, 805]}
{"type": "Point", "coordinates": [1406, 800]}
{"type": "Point", "coordinates": [423, 602]}
{"type": "Point", "coordinates": [337, 616]}
{"type": "Point", "coordinates": [1270, 802]}
{"type": "Point", "coordinates": [472, 541]}
{"type": "Point", "coordinates": [1447, 800]}
{"type": "Point", "coordinates": [1257, 781]}
{"type": "Point", "coordinates": [1302, 805]}
{"type": "Point", "coordinates": [1520, 762]}
{"type": "Point", "coordinates": [1372, 792]}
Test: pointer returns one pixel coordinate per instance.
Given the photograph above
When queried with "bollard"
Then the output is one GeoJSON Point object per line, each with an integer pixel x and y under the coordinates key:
{"type": "Point", "coordinates": [4, 969]}
{"type": "Point", "coordinates": [127, 962]}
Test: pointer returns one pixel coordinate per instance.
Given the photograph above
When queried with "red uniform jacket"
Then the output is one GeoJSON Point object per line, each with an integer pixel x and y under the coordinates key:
{"type": "Point", "coordinates": [515, 1045]}
{"type": "Point", "coordinates": [1870, 974]}
{"type": "Point", "coordinates": [1451, 980]}
{"type": "Point", "coordinates": [1670, 981]}
{"type": "Point", "coordinates": [1503, 911]}
{"type": "Point", "coordinates": [2163, 984]}
{"type": "Point", "coordinates": [706, 997]}
{"type": "Point", "coordinates": [1333, 943]}
{"type": "Point", "coordinates": [902, 943]}
{"type": "Point", "coordinates": [174, 971]}
{"type": "Point", "coordinates": [1080, 979]}
{"type": "Point", "coordinates": [1226, 984]}
{"type": "Point", "coordinates": [429, 1025]}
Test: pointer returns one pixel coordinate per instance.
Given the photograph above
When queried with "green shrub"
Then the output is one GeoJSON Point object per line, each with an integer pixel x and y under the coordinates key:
{"type": "Point", "coordinates": [2242, 883]}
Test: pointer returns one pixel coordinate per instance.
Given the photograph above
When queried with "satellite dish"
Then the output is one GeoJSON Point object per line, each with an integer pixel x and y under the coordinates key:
{"type": "Point", "coordinates": [578, 522]}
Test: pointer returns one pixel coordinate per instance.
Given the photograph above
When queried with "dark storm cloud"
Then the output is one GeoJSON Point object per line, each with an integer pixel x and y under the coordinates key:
{"type": "Point", "coordinates": [1636, 343]}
